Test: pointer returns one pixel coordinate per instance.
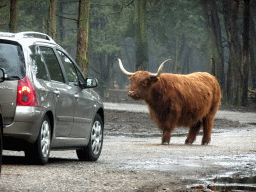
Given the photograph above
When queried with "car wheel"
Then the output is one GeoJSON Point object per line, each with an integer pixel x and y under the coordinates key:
{"type": "Point", "coordinates": [40, 151]}
{"type": "Point", "coordinates": [92, 151]}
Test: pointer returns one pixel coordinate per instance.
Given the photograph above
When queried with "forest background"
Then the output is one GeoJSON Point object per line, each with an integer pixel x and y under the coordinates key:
{"type": "Point", "coordinates": [216, 36]}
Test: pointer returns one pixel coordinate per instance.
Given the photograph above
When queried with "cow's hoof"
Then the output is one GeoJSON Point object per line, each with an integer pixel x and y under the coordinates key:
{"type": "Point", "coordinates": [188, 142]}
{"type": "Point", "coordinates": [165, 140]}
{"type": "Point", "coordinates": [206, 142]}
{"type": "Point", "coordinates": [165, 143]}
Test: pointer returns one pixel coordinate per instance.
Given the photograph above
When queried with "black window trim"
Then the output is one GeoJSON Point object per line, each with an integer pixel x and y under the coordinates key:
{"type": "Point", "coordinates": [76, 66]}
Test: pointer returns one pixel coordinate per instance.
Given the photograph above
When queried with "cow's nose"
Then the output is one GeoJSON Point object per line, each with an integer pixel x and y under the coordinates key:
{"type": "Point", "coordinates": [131, 93]}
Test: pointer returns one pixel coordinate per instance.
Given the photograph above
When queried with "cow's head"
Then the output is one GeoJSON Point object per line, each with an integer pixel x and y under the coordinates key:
{"type": "Point", "coordinates": [141, 81]}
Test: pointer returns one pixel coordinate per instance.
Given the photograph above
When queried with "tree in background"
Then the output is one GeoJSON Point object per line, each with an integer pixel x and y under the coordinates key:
{"type": "Point", "coordinates": [52, 20]}
{"type": "Point", "coordinates": [141, 37]}
{"type": "Point", "coordinates": [13, 15]}
{"type": "Point", "coordinates": [252, 44]}
{"type": "Point", "coordinates": [246, 39]}
{"type": "Point", "coordinates": [214, 29]}
{"type": "Point", "coordinates": [235, 31]}
{"type": "Point", "coordinates": [234, 73]}
{"type": "Point", "coordinates": [107, 28]}
{"type": "Point", "coordinates": [83, 35]}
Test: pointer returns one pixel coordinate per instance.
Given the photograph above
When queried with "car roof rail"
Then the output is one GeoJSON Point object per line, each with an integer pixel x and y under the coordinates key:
{"type": "Point", "coordinates": [6, 34]}
{"type": "Point", "coordinates": [32, 34]}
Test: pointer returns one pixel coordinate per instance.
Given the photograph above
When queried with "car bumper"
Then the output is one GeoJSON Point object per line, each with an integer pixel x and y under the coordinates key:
{"type": "Point", "coordinates": [26, 124]}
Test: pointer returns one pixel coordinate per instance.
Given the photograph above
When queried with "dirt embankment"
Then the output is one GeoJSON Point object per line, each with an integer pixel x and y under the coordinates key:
{"type": "Point", "coordinates": [141, 125]}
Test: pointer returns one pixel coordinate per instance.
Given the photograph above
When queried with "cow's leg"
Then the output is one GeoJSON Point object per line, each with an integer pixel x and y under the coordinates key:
{"type": "Point", "coordinates": [193, 132]}
{"type": "Point", "coordinates": [166, 136]}
{"type": "Point", "coordinates": [167, 128]}
{"type": "Point", "coordinates": [208, 123]}
{"type": "Point", "coordinates": [207, 127]}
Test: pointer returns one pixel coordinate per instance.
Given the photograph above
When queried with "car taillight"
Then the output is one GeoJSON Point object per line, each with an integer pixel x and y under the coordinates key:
{"type": "Point", "coordinates": [26, 95]}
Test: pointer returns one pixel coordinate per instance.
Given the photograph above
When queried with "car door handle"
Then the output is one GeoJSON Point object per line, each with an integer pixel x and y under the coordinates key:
{"type": "Point", "coordinates": [57, 92]}
{"type": "Point", "coordinates": [76, 96]}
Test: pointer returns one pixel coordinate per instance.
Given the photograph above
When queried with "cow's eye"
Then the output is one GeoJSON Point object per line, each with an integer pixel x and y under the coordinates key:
{"type": "Point", "coordinates": [144, 83]}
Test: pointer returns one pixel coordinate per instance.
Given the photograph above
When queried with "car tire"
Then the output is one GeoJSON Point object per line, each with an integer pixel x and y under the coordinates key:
{"type": "Point", "coordinates": [93, 150]}
{"type": "Point", "coordinates": [39, 152]}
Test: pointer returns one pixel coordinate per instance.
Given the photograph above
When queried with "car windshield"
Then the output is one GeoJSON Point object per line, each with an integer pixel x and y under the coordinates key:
{"type": "Point", "coordinates": [12, 60]}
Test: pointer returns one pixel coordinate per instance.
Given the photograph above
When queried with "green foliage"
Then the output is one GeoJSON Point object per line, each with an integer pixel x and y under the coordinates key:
{"type": "Point", "coordinates": [4, 15]}
{"type": "Point", "coordinates": [106, 26]}
{"type": "Point", "coordinates": [31, 15]}
{"type": "Point", "coordinates": [169, 20]}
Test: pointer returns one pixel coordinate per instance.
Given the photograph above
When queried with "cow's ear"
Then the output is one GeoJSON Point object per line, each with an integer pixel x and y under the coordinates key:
{"type": "Point", "coordinates": [154, 79]}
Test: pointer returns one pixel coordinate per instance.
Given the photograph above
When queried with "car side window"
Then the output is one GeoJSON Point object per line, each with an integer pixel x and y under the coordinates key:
{"type": "Point", "coordinates": [70, 69]}
{"type": "Point", "coordinates": [52, 64]}
{"type": "Point", "coordinates": [38, 63]}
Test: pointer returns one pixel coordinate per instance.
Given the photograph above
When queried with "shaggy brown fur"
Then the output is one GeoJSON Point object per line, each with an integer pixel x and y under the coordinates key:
{"type": "Point", "coordinates": [179, 100]}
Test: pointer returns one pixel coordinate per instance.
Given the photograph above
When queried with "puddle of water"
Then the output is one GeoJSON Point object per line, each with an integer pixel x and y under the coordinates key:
{"type": "Point", "coordinates": [230, 181]}
{"type": "Point", "coordinates": [234, 188]}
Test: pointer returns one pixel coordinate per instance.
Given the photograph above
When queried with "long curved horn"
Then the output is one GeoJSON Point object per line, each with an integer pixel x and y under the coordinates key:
{"type": "Point", "coordinates": [122, 68]}
{"type": "Point", "coordinates": [159, 69]}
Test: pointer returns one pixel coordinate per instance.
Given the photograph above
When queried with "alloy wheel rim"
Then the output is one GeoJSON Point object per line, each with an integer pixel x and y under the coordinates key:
{"type": "Point", "coordinates": [45, 138]}
{"type": "Point", "coordinates": [96, 137]}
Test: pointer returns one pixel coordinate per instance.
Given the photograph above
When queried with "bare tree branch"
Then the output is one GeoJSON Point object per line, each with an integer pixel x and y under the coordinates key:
{"type": "Point", "coordinates": [124, 6]}
{"type": "Point", "coordinates": [2, 6]}
{"type": "Point", "coordinates": [72, 19]}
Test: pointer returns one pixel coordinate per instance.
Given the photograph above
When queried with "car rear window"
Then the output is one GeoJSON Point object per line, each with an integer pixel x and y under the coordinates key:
{"type": "Point", "coordinates": [12, 60]}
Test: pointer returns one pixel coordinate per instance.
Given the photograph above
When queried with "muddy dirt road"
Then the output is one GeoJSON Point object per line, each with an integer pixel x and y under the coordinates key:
{"type": "Point", "coordinates": [133, 160]}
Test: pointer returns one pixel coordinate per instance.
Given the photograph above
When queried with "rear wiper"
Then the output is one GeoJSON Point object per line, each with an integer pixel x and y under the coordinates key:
{"type": "Point", "coordinates": [13, 77]}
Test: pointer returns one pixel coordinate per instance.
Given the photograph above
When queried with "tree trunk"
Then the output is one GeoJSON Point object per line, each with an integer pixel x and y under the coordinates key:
{"type": "Point", "coordinates": [219, 65]}
{"type": "Point", "coordinates": [51, 20]}
{"type": "Point", "coordinates": [83, 35]}
{"type": "Point", "coordinates": [252, 53]}
{"type": "Point", "coordinates": [213, 67]}
{"type": "Point", "coordinates": [44, 24]}
{"type": "Point", "coordinates": [214, 30]}
{"type": "Point", "coordinates": [141, 37]}
{"type": "Point", "coordinates": [234, 78]}
{"type": "Point", "coordinates": [179, 49]}
{"type": "Point", "coordinates": [246, 51]}
{"type": "Point", "coordinates": [106, 62]}
{"type": "Point", "coordinates": [61, 22]}
{"type": "Point", "coordinates": [13, 16]}
{"type": "Point", "coordinates": [185, 68]}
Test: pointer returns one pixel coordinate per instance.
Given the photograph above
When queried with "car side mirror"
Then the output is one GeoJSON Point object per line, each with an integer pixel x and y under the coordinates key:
{"type": "Point", "coordinates": [3, 75]}
{"type": "Point", "coordinates": [90, 83]}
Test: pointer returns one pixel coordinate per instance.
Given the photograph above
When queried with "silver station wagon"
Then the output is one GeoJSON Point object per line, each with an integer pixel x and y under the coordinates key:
{"type": "Point", "coordinates": [47, 102]}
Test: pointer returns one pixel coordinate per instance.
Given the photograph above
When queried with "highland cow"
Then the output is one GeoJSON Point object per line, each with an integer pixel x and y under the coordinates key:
{"type": "Point", "coordinates": [176, 100]}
